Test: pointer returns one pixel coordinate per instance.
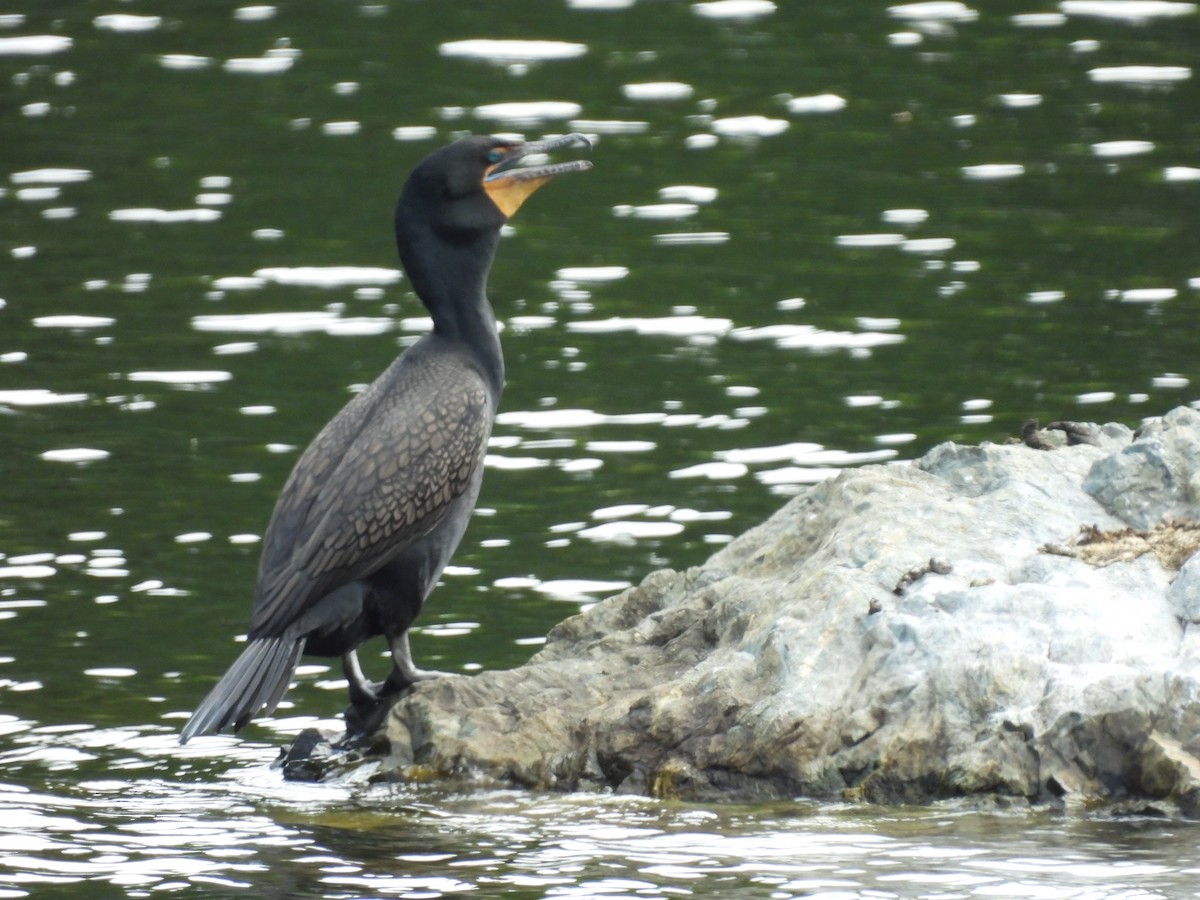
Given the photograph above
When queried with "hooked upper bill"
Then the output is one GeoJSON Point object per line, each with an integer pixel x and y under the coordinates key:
{"type": "Point", "coordinates": [509, 186]}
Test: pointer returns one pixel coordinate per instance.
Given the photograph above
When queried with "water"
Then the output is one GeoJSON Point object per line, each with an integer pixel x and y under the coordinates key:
{"type": "Point", "coordinates": [816, 235]}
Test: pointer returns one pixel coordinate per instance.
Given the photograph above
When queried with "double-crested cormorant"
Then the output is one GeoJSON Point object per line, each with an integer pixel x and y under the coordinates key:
{"type": "Point", "coordinates": [378, 502]}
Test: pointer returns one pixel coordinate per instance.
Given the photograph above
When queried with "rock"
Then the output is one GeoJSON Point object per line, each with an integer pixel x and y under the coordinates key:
{"type": "Point", "coordinates": [1184, 594]}
{"type": "Point", "coordinates": [900, 633]}
{"type": "Point", "coordinates": [1154, 476]}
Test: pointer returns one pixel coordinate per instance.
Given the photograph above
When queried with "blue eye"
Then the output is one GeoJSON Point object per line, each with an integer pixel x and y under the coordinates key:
{"type": "Point", "coordinates": [494, 156]}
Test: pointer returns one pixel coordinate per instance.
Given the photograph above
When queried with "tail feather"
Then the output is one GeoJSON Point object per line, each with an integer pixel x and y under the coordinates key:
{"type": "Point", "coordinates": [256, 681]}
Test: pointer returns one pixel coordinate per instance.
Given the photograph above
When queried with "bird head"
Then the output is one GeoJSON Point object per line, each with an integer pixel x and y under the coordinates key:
{"type": "Point", "coordinates": [477, 183]}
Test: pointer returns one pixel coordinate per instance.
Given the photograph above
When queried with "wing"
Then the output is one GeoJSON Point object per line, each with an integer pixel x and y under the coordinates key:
{"type": "Point", "coordinates": [381, 475]}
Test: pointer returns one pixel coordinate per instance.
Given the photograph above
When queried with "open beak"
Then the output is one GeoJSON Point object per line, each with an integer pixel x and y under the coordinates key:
{"type": "Point", "coordinates": [508, 186]}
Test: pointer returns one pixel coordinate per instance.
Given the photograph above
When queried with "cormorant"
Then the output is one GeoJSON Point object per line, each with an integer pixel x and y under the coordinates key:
{"type": "Point", "coordinates": [378, 502]}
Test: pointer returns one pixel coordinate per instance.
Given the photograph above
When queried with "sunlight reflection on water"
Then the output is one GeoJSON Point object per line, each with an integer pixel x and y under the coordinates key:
{"type": "Point", "coordinates": [164, 831]}
{"type": "Point", "coordinates": [628, 437]}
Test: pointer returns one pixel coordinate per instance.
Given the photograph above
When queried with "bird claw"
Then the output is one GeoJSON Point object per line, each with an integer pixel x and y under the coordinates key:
{"type": "Point", "coordinates": [374, 699]}
{"type": "Point", "coordinates": [400, 681]}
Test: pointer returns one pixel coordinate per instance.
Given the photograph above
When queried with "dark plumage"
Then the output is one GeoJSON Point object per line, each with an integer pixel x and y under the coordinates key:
{"type": "Point", "coordinates": [378, 502]}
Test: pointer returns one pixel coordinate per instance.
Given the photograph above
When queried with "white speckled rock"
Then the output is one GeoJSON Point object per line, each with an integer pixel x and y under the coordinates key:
{"type": "Point", "coordinates": [821, 654]}
{"type": "Point", "coordinates": [1184, 594]}
{"type": "Point", "coordinates": [1155, 476]}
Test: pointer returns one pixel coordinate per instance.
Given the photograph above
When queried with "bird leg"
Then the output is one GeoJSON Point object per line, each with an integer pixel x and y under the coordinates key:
{"type": "Point", "coordinates": [363, 693]}
{"type": "Point", "coordinates": [404, 673]}
{"type": "Point", "coordinates": [369, 700]}
{"type": "Point", "coordinates": [367, 708]}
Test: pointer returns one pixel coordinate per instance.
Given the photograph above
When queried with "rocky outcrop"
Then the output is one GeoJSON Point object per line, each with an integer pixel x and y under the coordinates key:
{"type": "Point", "coordinates": [989, 620]}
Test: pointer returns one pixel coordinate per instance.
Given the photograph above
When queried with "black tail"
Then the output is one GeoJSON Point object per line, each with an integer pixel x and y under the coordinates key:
{"type": "Point", "coordinates": [257, 680]}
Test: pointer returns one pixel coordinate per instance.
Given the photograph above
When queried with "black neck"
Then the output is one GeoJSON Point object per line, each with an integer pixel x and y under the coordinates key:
{"type": "Point", "coordinates": [450, 278]}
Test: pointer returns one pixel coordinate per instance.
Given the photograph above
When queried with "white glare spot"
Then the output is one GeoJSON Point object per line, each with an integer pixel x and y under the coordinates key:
{"type": "Point", "coordinates": [657, 90]}
{"type": "Point", "coordinates": [1132, 11]}
{"type": "Point", "coordinates": [622, 532]}
{"type": "Point", "coordinates": [688, 193]}
{"type": "Point", "coordinates": [1170, 380]}
{"type": "Point", "coordinates": [934, 11]}
{"type": "Point", "coordinates": [254, 13]}
{"type": "Point", "coordinates": [819, 103]}
{"type": "Point", "coordinates": [1139, 74]}
{"type": "Point", "coordinates": [528, 113]}
{"type": "Point", "coordinates": [1045, 296]}
{"type": "Point", "coordinates": [414, 133]}
{"type": "Point", "coordinates": [238, 283]}
{"type": "Point", "coordinates": [259, 65]}
{"type": "Point", "coordinates": [697, 238]}
{"type": "Point", "coordinates": [34, 45]}
{"type": "Point", "coordinates": [1039, 20]}
{"type": "Point", "coordinates": [591, 274]}
{"type": "Point", "coordinates": [1148, 295]}
{"type": "Point", "coordinates": [75, 455]}
{"type": "Point", "coordinates": [148, 214]}
{"type": "Point", "coordinates": [26, 571]}
{"type": "Point", "coordinates": [714, 471]}
{"type": "Point", "coordinates": [734, 9]}
{"type": "Point", "coordinates": [329, 276]}
{"type": "Point", "coordinates": [750, 126]}
{"type": "Point", "coordinates": [578, 588]}
{"type": "Point", "coordinates": [66, 321]}
{"type": "Point", "coordinates": [992, 171]}
{"type": "Point", "coordinates": [198, 377]}
{"type": "Point", "coordinates": [928, 245]}
{"type": "Point", "coordinates": [1111, 149]}
{"type": "Point", "coordinates": [184, 62]}
{"type": "Point", "coordinates": [38, 194]}
{"type": "Point", "coordinates": [512, 51]}
{"type": "Point", "coordinates": [905, 216]}
{"type": "Point", "coordinates": [38, 397]}
{"type": "Point", "coordinates": [657, 211]}
{"type": "Point", "coordinates": [127, 22]}
{"type": "Point", "coordinates": [856, 401]}
{"type": "Point", "coordinates": [1020, 101]}
{"type": "Point", "coordinates": [341, 128]}
{"type": "Point", "coordinates": [50, 176]}
{"type": "Point", "coordinates": [869, 240]}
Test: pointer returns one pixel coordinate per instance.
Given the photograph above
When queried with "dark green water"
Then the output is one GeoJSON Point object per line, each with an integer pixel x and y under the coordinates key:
{"type": "Point", "coordinates": [999, 223]}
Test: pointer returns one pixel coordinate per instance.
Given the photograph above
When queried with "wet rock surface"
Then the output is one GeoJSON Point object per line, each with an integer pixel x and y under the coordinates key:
{"type": "Point", "coordinates": [900, 633]}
